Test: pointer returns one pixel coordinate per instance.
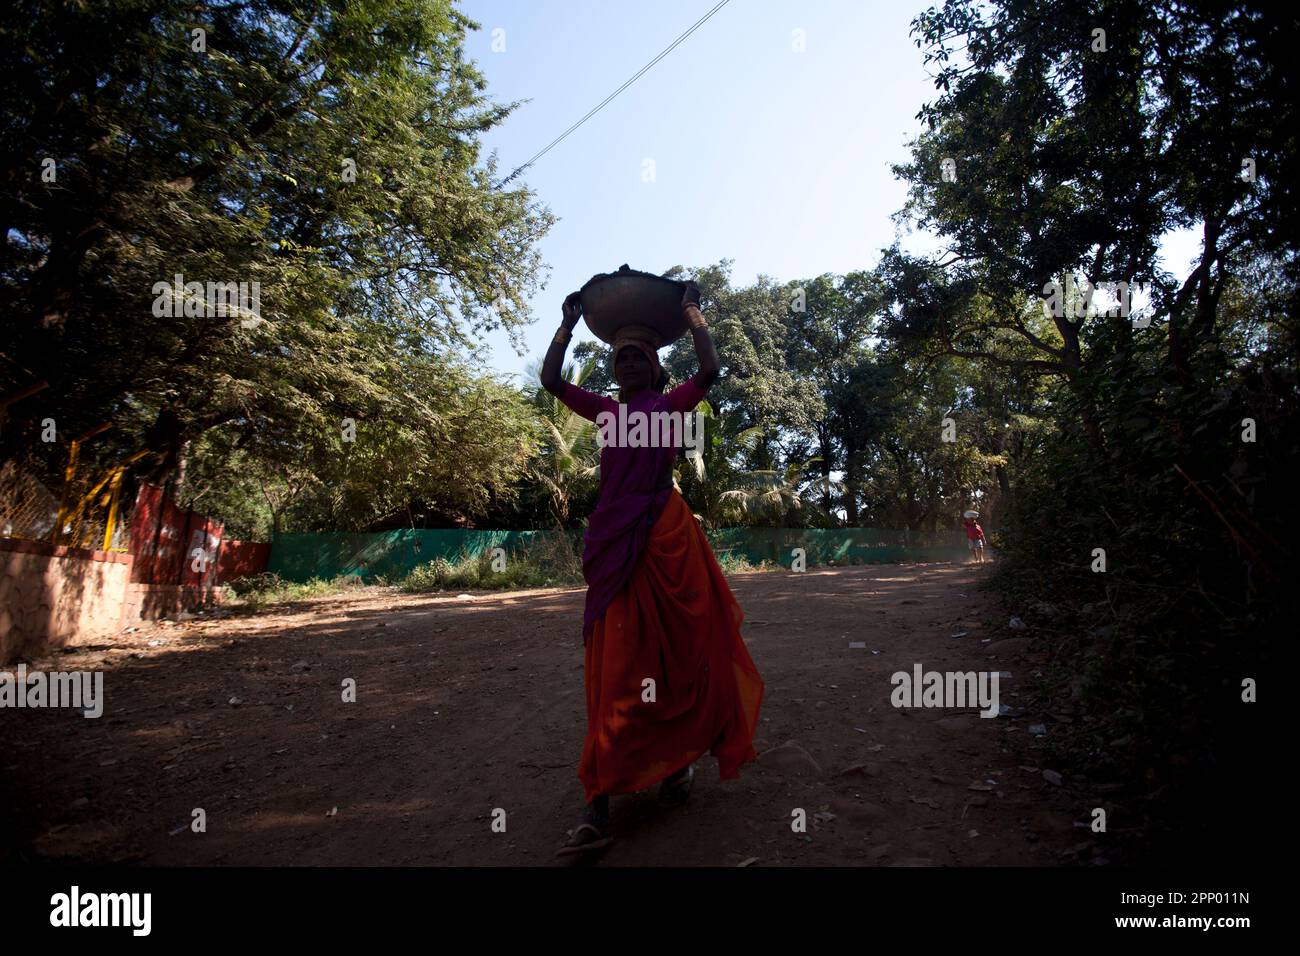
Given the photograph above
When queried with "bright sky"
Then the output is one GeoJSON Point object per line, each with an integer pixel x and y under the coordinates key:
{"type": "Point", "coordinates": [765, 137]}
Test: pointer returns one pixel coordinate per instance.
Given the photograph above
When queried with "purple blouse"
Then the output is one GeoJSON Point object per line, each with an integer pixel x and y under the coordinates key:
{"type": "Point", "coordinates": [635, 482]}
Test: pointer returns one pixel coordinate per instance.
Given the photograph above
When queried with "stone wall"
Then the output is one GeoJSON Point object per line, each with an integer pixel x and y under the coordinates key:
{"type": "Point", "coordinates": [52, 596]}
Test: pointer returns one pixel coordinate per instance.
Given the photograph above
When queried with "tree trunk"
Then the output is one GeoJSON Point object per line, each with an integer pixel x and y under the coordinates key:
{"type": "Point", "coordinates": [851, 468]}
{"type": "Point", "coordinates": [824, 444]}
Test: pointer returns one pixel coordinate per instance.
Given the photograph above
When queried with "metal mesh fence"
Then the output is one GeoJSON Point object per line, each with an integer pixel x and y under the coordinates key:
{"type": "Point", "coordinates": [28, 509]}
{"type": "Point", "coordinates": [32, 501]}
{"type": "Point", "coordinates": [394, 554]}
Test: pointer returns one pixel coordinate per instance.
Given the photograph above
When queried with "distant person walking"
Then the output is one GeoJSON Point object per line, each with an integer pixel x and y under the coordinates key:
{"type": "Point", "coordinates": [974, 536]}
{"type": "Point", "coordinates": [668, 676]}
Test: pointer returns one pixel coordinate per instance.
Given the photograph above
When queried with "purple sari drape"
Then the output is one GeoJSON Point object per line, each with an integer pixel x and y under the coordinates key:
{"type": "Point", "coordinates": [634, 486]}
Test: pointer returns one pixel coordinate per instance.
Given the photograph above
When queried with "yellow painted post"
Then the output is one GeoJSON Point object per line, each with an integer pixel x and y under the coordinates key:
{"type": "Point", "coordinates": [118, 473]}
{"type": "Point", "coordinates": [74, 448]}
{"type": "Point", "coordinates": [112, 507]}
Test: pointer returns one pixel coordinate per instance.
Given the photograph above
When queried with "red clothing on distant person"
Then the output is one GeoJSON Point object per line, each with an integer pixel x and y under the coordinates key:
{"type": "Point", "coordinates": [973, 531]}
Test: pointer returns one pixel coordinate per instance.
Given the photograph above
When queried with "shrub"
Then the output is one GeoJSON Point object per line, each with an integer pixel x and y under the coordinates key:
{"type": "Point", "coordinates": [547, 561]}
{"type": "Point", "coordinates": [259, 590]}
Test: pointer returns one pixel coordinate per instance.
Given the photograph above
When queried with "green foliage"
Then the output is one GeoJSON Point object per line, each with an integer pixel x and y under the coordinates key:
{"type": "Point", "coordinates": [258, 591]}
{"type": "Point", "coordinates": [768, 497]}
{"type": "Point", "coordinates": [739, 564]}
{"type": "Point", "coordinates": [1122, 436]}
{"type": "Point", "coordinates": [250, 583]}
{"type": "Point", "coordinates": [445, 442]}
{"type": "Point", "coordinates": [326, 151]}
{"type": "Point", "coordinates": [567, 463]}
{"type": "Point", "coordinates": [550, 562]}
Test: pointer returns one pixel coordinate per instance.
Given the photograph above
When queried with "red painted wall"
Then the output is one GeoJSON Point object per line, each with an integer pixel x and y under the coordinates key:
{"type": "Point", "coordinates": [241, 558]}
{"type": "Point", "coordinates": [173, 546]}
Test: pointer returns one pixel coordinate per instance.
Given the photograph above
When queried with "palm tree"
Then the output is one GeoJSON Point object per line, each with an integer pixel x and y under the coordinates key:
{"type": "Point", "coordinates": [768, 496]}
{"type": "Point", "coordinates": [570, 455]}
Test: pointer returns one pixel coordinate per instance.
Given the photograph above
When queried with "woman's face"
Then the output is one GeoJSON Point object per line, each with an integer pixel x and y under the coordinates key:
{"type": "Point", "coordinates": [632, 370]}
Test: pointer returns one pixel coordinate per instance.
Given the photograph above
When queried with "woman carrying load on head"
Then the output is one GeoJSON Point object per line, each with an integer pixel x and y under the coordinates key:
{"type": "Point", "coordinates": [668, 677]}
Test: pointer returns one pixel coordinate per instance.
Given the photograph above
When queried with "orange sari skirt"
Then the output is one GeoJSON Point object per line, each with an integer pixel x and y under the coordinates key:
{"type": "Point", "coordinates": [668, 677]}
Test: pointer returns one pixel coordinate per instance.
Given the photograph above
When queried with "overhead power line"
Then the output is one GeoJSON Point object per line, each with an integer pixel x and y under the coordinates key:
{"type": "Point", "coordinates": [555, 142]}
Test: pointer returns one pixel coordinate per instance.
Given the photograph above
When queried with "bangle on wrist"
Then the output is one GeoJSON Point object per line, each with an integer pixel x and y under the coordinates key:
{"type": "Point", "coordinates": [562, 335]}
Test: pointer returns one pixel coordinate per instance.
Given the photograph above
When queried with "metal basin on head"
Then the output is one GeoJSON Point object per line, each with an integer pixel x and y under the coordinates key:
{"type": "Point", "coordinates": [613, 300]}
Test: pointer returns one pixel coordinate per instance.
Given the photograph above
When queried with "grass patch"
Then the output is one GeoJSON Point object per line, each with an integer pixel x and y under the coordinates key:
{"type": "Point", "coordinates": [547, 562]}
{"type": "Point", "coordinates": [261, 590]}
{"type": "Point", "coordinates": [739, 564]}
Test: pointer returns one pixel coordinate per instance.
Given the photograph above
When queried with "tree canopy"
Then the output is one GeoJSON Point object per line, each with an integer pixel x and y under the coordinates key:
{"type": "Point", "coordinates": [326, 152]}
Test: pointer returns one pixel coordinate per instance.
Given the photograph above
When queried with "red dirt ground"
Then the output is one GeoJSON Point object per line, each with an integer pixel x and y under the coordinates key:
{"type": "Point", "coordinates": [466, 704]}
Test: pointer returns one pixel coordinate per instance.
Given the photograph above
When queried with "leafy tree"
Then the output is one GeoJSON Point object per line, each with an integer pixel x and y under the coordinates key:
{"type": "Point", "coordinates": [758, 388]}
{"type": "Point", "coordinates": [327, 151]}
{"type": "Point", "coordinates": [1142, 509]}
{"type": "Point", "coordinates": [826, 344]}
{"type": "Point", "coordinates": [441, 445]}
{"type": "Point", "coordinates": [767, 497]}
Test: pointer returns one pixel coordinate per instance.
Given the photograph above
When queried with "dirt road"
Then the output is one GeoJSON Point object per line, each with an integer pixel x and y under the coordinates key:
{"type": "Point", "coordinates": [469, 704]}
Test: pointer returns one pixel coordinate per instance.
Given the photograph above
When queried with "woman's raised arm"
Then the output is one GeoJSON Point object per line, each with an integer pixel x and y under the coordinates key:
{"type": "Point", "coordinates": [552, 380]}
{"type": "Point", "coordinates": [704, 348]}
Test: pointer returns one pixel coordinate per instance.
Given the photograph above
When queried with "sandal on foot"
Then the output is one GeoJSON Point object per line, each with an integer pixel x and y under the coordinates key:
{"type": "Point", "coordinates": [587, 836]}
{"type": "Point", "coordinates": [673, 793]}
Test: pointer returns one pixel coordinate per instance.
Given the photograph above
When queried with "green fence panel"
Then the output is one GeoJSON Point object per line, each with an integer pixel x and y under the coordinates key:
{"type": "Point", "coordinates": [394, 554]}
{"type": "Point", "coordinates": [838, 546]}
{"type": "Point", "coordinates": [387, 554]}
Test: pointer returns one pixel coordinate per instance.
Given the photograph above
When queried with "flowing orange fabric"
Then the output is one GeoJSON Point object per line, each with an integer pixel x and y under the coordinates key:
{"type": "Point", "coordinates": [677, 623]}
